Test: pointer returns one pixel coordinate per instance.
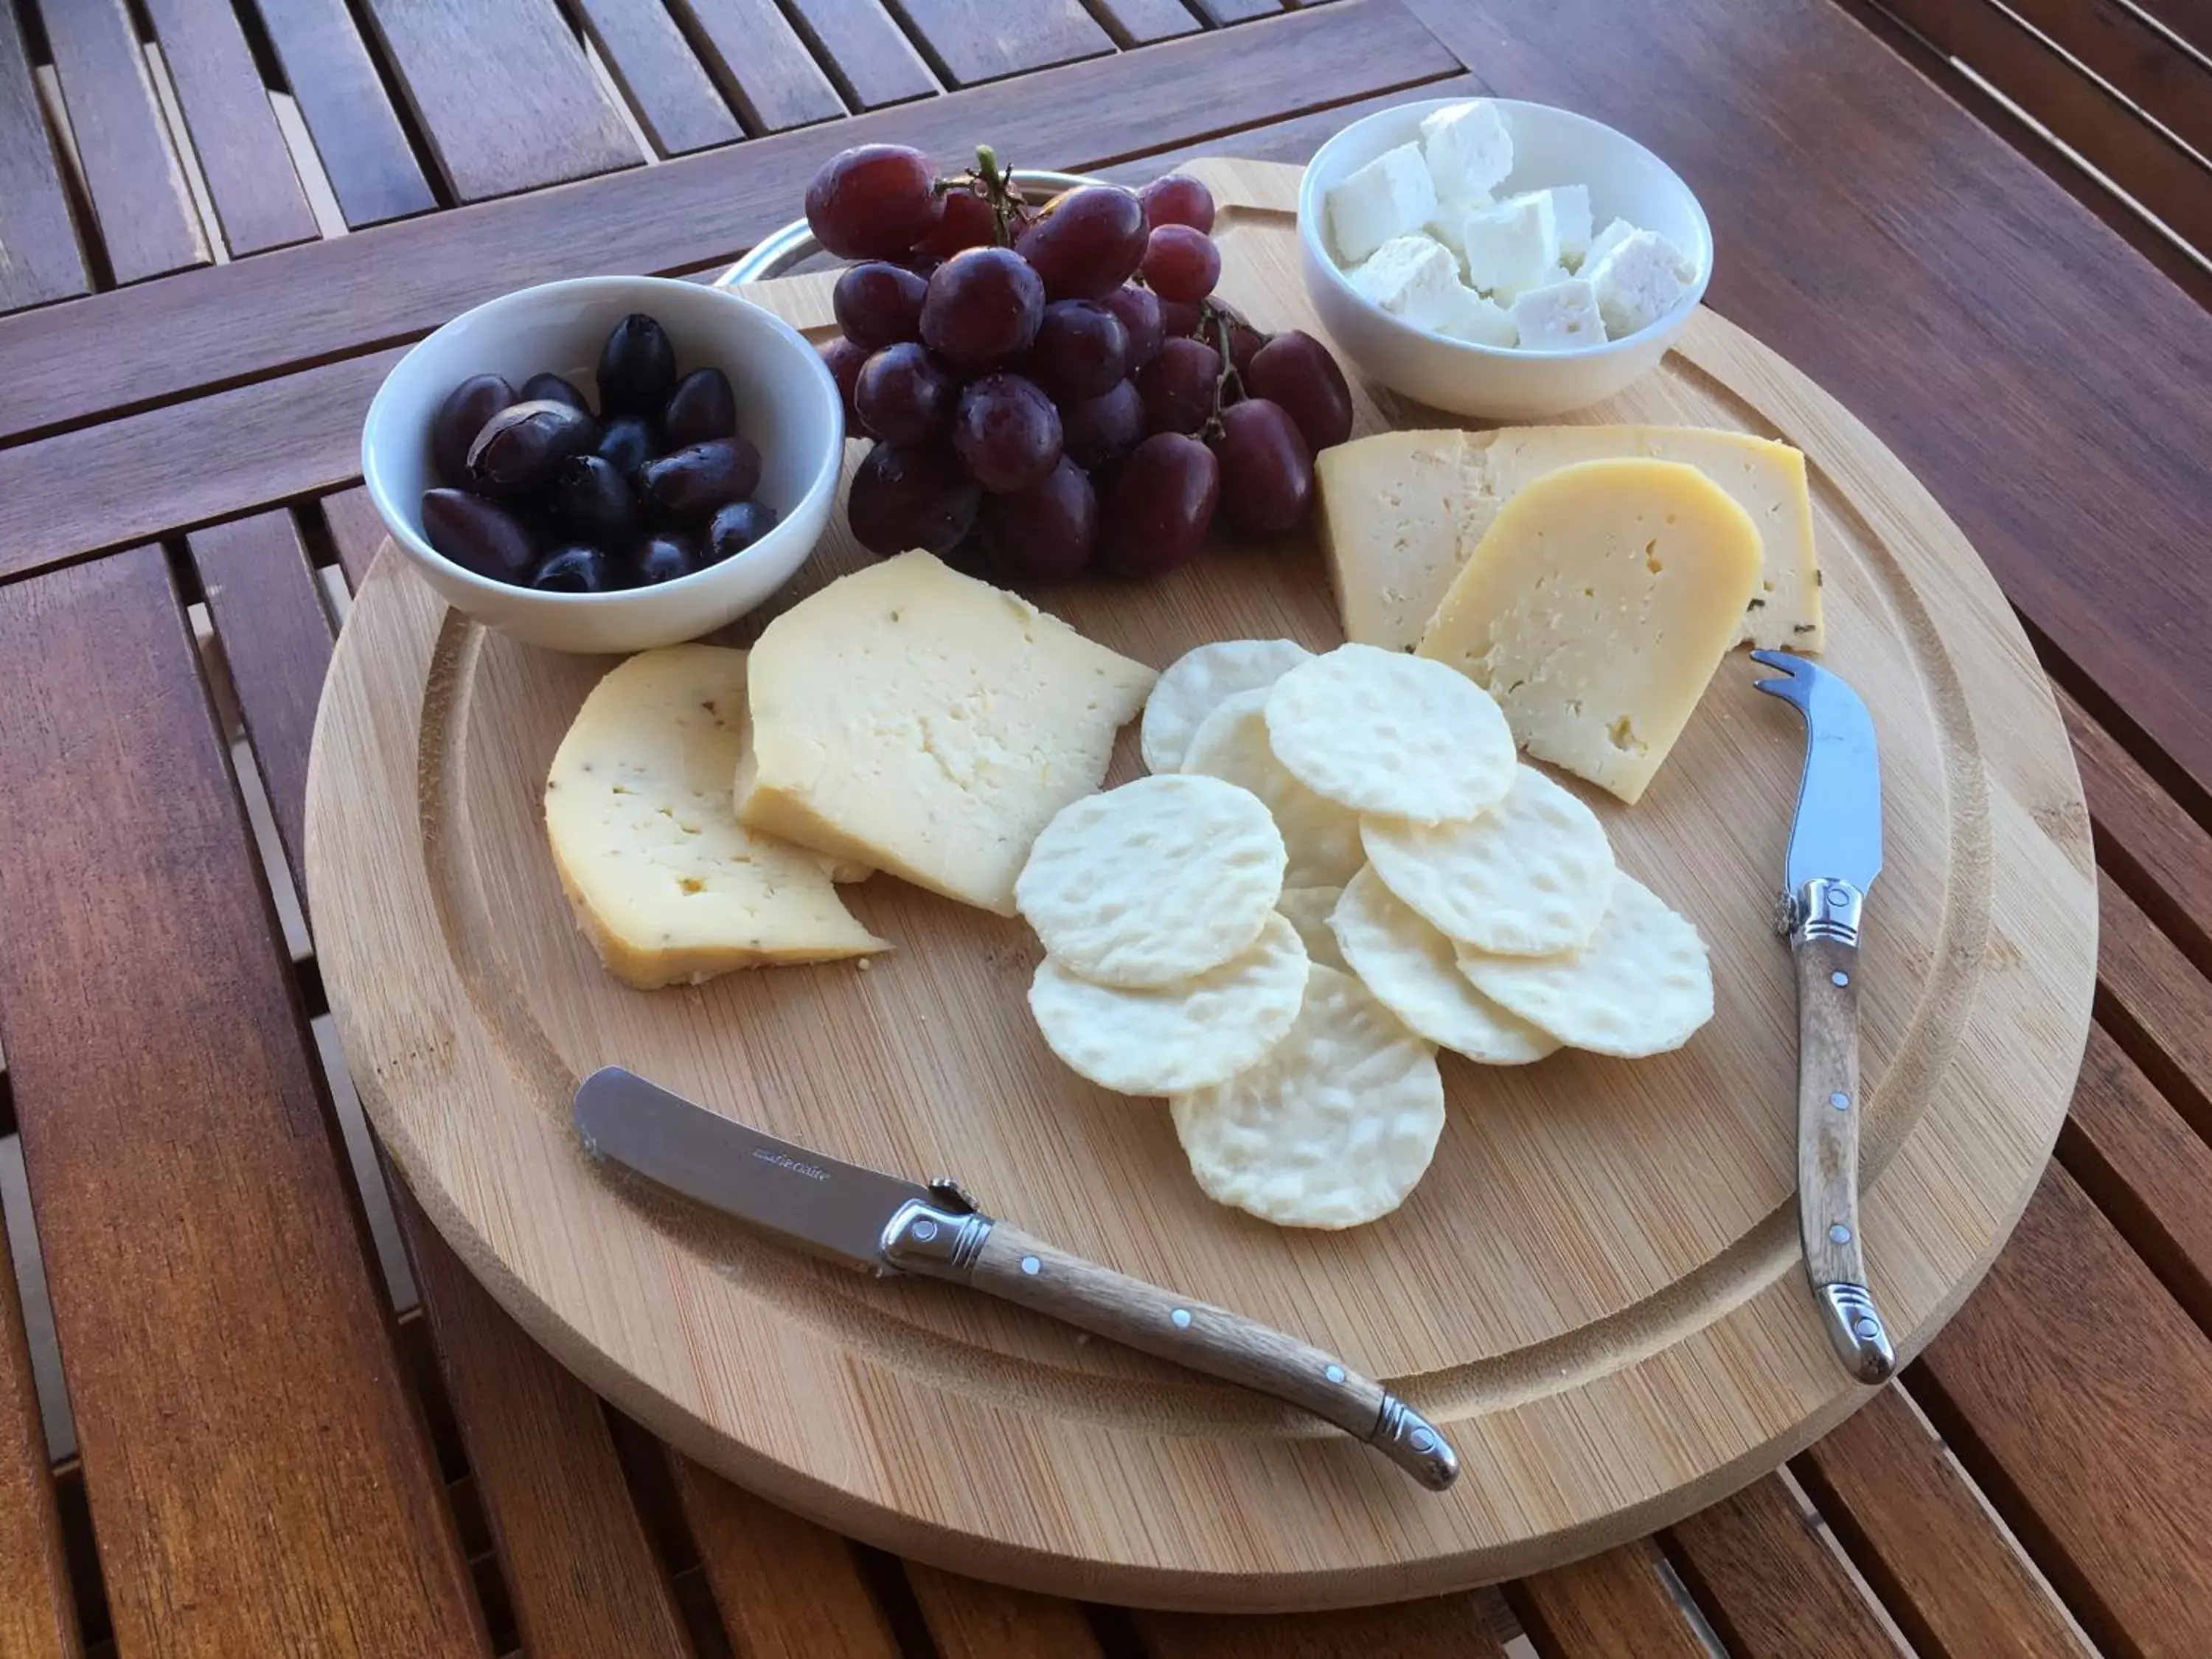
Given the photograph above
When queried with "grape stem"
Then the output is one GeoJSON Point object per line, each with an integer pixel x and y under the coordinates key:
{"type": "Point", "coordinates": [998, 190]}
{"type": "Point", "coordinates": [1219, 315]}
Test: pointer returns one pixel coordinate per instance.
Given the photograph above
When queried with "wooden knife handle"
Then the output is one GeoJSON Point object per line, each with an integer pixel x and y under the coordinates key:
{"type": "Point", "coordinates": [1828, 1111]}
{"type": "Point", "coordinates": [1001, 1260]}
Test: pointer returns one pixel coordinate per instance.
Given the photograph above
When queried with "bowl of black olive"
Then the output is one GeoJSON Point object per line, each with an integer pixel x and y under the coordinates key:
{"type": "Point", "coordinates": [608, 464]}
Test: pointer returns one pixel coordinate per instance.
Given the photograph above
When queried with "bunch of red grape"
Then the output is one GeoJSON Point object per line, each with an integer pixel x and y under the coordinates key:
{"type": "Point", "coordinates": [1054, 390]}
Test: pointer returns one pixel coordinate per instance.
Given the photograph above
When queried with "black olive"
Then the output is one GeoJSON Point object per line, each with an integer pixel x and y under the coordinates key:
{"type": "Point", "coordinates": [703, 408]}
{"type": "Point", "coordinates": [574, 570]}
{"type": "Point", "coordinates": [459, 418]}
{"type": "Point", "coordinates": [663, 557]}
{"type": "Point", "coordinates": [523, 446]}
{"type": "Point", "coordinates": [592, 503]}
{"type": "Point", "coordinates": [637, 368]}
{"type": "Point", "coordinates": [687, 485]}
{"type": "Point", "coordinates": [552, 388]}
{"type": "Point", "coordinates": [737, 527]}
{"type": "Point", "coordinates": [629, 443]}
{"type": "Point", "coordinates": [477, 535]}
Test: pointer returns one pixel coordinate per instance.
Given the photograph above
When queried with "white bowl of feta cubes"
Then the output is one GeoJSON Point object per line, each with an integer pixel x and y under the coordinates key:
{"type": "Point", "coordinates": [1498, 258]}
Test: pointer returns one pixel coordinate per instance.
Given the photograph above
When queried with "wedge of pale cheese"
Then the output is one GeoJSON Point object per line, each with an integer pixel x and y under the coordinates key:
{"type": "Point", "coordinates": [666, 885]}
{"type": "Point", "coordinates": [1401, 510]}
{"type": "Point", "coordinates": [917, 720]}
{"type": "Point", "coordinates": [1596, 608]}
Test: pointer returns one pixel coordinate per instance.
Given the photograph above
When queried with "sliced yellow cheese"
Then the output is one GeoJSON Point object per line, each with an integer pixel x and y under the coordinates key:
{"type": "Point", "coordinates": [914, 720]}
{"type": "Point", "coordinates": [666, 885]}
{"type": "Point", "coordinates": [1400, 511]}
{"type": "Point", "coordinates": [1597, 607]}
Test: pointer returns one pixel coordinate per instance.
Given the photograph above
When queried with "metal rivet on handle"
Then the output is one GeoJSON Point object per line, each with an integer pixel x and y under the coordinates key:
{"type": "Point", "coordinates": [1421, 1441]}
{"type": "Point", "coordinates": [1867, 1329]}
{"type": "Point", "coordinates": [1029, 1264]}
{"type": "Point", "coordinates": [1181, 1317]}
{"type": "Point", "coordinates": [925, 1231]}
{"type": "Point", "coordinates": [1335, 1373]}
{"type": "Point", "coordinates": [1840, 1233]}
{"type": "Point", "coordinates": [1840, 1100]}
{"type": "Point", "coordinates": [1839, 978]}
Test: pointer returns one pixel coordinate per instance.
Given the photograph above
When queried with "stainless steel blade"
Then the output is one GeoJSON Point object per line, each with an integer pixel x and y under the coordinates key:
{"type": "Point", "coordinates": [1837, 832]}
{"type": "Point", "coordinates": [803, 1198]}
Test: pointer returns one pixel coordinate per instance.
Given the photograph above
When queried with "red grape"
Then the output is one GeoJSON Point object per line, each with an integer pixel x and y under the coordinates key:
{"type": "Point", "coordinates": [1245, 343]}
{"type": "Point", "coordinates": [1158, 508]}
{"type": "Point", "coordinates": [904, 395]}
{"type": "Point", "coordinates": [1138, 308]}
{"type": "Point", "coordinates": [967, 224]}
{"type": "Point", "coordinates": [1179, 319]}
{"type": "Point", "coordinates": [1177, 385]}
{"type": "Point", "coordinates": [874, 201]}
{"type": "Point", "coordinates": [1086, 243]}
{"type": "Point", "coordinates": [1176, 198]}
{"type": "Point", "coordinates": [1295, 370]}
{"type": "Point", "coordinates": [1100, 430]}
{"type": "Point", "coordinates": [909, 495]}
{"type": "Point", "coordinates": [1267, 471]}
{"type": "Point", "coordinates": [983, 306]}
{"type": "Point", "coordinates": [1081, 350]}
{"type": "Point", "coordinates": [878, 303]}
{"type": "Point", "coordinates": [844, 358]}
{"type": "Point", "coordinates": [1182, 263]}
{"type": "Point", "coordinates": [1044, 533]}
{"type": "Point", "coordinates": [1007, 433]}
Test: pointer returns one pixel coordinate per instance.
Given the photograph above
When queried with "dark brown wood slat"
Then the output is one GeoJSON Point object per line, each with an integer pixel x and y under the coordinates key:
{"type": "Point", "coordinates": [2148, 1171]}
{"type": "Point", "coordinates": [250, 179]}
{"type": "Point", "coordinates": [2079, 1396]}
{"type": "Point", "coordinates": [1237, 11]}
{"type": "Point", "coordinates": [1910, 1522]}
{"type": "Point", "coordinates": [970, 1620]}
{"type": "Point", "coordinates": [580, 1571]}
{"type": "Point", "coordinates": [1136, 22]}
{"type": "Point", "coordinates": [502, 94]}
{"type": "Point", "coordinates": [39, 259]}
{"type": "Point", "coordinates": [868, 54]}
{"type": "Point", "coordinates": [258, 1479]}
{"type": "Point", "coordinates": [1613, 1606]}
{"type": "Point", "coordinates": [147, 225]}
{"type": "Point", "coordinates": [2144, 981]}
{"type": "Point", "coordinates": [258, 315]}
{"type": "Point", "coordinates": [358, 137]}
{"type": "Point", "coordinates": [2189, 19]}
{"type": "Point", "coordinates": [276, 639]}
{"type": "Point", "coordinates": [356, 529]}
{"type": "Point", "coordinates": [1441, 1627]}
{"type": "Point", "coordinates": [651, 61]}
{"type": "Point", "coordinates": [786, 1588]}
{"type": "Point", "coordinates": [37, 1619]}
{"type": "Point", "coordinates": [1294, 140]}
{"type": "Point", "coordinates": [977, 40]}
{"type": "Point", "coordinates": [762, 65]}
{"type": "Point", "coordinates": [1769, 1584]}
{"type": "Point", "coordinates": [186, 464]}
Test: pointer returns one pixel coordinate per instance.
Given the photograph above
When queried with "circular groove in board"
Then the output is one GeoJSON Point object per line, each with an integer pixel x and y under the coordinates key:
{"type": "Point", "coordinates": [1595, 1242]}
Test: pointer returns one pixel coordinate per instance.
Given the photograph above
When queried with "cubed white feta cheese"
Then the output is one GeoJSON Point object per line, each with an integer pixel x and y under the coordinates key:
{"type": "Point", "coordinates": [1409, 276]}
{"type": "Point", "coordinates": [1560, 316]}
{"type": "Point", "coordinates": [1388, 197]}
{"type": "Point", "coordinates": [1469, 150]}
{"type": "Point", "coordinates": [1466, 315]}
{"type": "Point", "coordinates": [1571, 212]}
{"type": "Point", "coordinates": [1451, 212]}
{"type": "Point", "coordinates": [1605, 241]}
{"type": "Point", "coordinates": [1511, 246]}
{"type": "Point", "coordinates": [1641, 279]}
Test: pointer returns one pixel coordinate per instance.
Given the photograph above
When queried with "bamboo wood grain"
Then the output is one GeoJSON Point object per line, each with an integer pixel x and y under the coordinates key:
{"type": "Point", "coordinates": [1592, 1249]}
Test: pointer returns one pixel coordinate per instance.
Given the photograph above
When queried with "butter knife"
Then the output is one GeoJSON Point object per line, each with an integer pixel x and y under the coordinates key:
{"type": "Point", "coordinates": [1835, 853]}
{"type": "Point", "coordinates": [884, 1225]}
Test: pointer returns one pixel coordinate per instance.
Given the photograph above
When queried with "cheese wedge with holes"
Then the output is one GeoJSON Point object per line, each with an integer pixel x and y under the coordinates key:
{"type": "Point", "coordinates": [1596, 608]}
{"type": "Point", "coordinates": [1400, 511]}
{"type": "Point", "coordinates": [665, 884]}
{"type": "Point", "coordinates": [921, 722]}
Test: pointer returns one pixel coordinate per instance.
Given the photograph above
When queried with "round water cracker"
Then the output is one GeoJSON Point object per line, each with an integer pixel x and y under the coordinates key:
{"type": "Point", "coordinates": [1308, 908]}
{"type": "Point", "coordinates": [1199, 682]}
{"type": "Point", "coordinates": [1156, 881]}
{"type": "Point", "coordinates": [1380, 731]}
{"type": "Point", "coordinates": [1180, 1036]}
{"type": "Point", "coordinates": [1321, 837]}
{"type": "Point", "coordinates": [1530, 877]}
{"type": "Point", "coordinates": [1408, 965]}
{"type": "Point", "coordinates": [1333, 1128]}
{"type": "Point", "coordinates": [1641, 987]}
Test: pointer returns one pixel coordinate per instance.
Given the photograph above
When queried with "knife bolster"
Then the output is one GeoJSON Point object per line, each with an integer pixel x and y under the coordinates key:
{"type": "Point", "coordinates": [935, 1243]}
{"type": "Point", "coordinates": [1825, 908]}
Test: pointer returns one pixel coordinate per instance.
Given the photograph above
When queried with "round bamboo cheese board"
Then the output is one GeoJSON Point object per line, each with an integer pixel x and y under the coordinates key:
{"type": "Point", "coordinates": [1596, 1290]}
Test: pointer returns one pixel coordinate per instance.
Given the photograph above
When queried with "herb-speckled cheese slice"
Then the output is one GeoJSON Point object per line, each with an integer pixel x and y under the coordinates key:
{"type": "Point", "coordinates": [665, 884]}
{"type": "Point", "coordinates": [1595, 609]}
{"type": "Point", "coordinates": [920, 721]}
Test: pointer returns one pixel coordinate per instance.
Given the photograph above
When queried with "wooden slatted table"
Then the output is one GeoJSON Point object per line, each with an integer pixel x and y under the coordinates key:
{"type": "Point", "coordinates": [249, 1404]}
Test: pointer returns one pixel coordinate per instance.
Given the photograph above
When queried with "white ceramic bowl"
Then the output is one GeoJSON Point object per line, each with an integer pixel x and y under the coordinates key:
{"type": "Point", "coordinates": [1551, 147]}
{"type": "Point", "coordinates": [787, 404]}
